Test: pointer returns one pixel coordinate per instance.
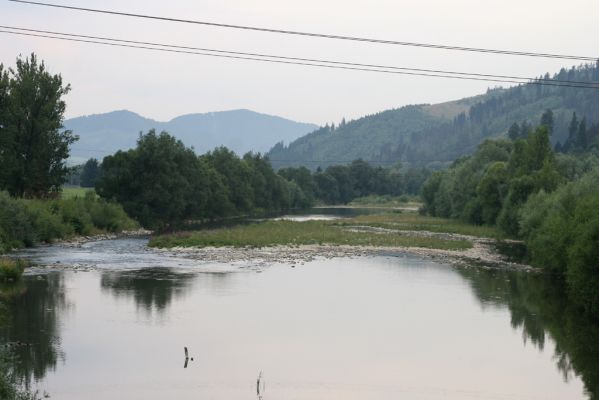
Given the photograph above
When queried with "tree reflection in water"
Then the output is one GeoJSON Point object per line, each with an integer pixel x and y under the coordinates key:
{"type": "Point", "coordinates": [153, 289]}
{"type": "Point", "coordinates": [34, 309]}
{"type": "Point", "coordinates": [538, 307]}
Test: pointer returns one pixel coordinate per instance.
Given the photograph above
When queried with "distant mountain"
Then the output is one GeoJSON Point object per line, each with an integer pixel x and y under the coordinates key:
{"type": "Point", "coordinates": [440, 133]}
{"type": "Point", "coordinates": [239, 130]}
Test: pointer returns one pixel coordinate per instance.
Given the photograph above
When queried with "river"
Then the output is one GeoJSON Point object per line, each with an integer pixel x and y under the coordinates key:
{"type": "Point", "coordinates": [384, 327]}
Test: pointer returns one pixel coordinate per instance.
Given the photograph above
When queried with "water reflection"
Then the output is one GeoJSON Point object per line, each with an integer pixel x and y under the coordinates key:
{"type": "Point", "coordinates": [334, 311]}
{"type": "Point", "coordinates": [35, 309]}
{"type": "Point", "coordinates": [153, 289]}
{"type": "Point", "coordinates": [538, 309]}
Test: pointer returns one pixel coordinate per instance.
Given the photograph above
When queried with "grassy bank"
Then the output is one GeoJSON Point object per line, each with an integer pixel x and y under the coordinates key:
{"type": "Point", "coordinates": [387, 201]}
{"type": "Point", "coordinates": [70, 192]}
{"type": "Point", "coordinates": [411, 221]}
{"type": "Point", "coordinates": [24, 223]}
{"type": "Point", "coordinates": [273, 233]}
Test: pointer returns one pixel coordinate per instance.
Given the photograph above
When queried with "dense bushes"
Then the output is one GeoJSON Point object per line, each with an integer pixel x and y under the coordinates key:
{"type": "Point", "coordinates": [549, 200]}
{"type": "Point", "coordinates": [26, 222]}
{"type": "Point", "coordinates": [561, 230]}
{"type": "Point", "coordinates": [492, 185]}
{"type": "Point", "coordinates": [11, 270]}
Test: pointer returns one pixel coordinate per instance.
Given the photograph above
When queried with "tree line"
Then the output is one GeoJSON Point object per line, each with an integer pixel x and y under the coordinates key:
{"type": "Point", "coordinates": [162, 183]}
{"type": "Point", "coordinates": [530, 192]}
{"type": "Point", "coordinates": [340, 184]}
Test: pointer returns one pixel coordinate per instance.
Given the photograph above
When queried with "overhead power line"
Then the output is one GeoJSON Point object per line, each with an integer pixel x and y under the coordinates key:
{"type": "Point", "coordinates": [293, 60]}
{"type": "Point", "coordinates": [320, 35]}
{"type": "Point", "coordinates": [155, 44]}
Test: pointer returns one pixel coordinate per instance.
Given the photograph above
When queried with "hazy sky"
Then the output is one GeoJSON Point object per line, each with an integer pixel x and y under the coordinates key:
{"type": "Point", "coordinates": [162, 85]}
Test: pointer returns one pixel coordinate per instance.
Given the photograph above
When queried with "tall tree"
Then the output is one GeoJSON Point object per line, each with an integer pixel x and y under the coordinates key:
{"type": "Point", "coordinates": [572, 134]}
{"type": "Point", "coordinates": [236, 174]}
{"type": "Point", "coordinates": [161, 183]}
{"type": "Point", "coordinates": [90, 173]}
{"type": "Point", "coordinates": [6, 155]}
{"type": "Point", "coordinates": [547, 120]}
{"type": "Point", "coordinates": [514, 131]}
{"type": "Point", "coordinates": [34, 147]}
{"type": "Point", "coordinates": [581, 137]}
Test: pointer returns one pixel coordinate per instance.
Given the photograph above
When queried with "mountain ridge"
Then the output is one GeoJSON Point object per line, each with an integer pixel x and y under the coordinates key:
{"type": "Point", "coordinates": [425, 134]}
{"type": "Point", "coordinates": [241, 130]}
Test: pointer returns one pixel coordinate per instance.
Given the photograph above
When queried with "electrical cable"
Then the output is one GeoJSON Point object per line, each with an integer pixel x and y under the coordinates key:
{"type": "Point", "coordinates": [319, 35]}
{"type": "Point", "coordinates": [321, 63]}
{"type": "Point", "coordinates": [155, 44]}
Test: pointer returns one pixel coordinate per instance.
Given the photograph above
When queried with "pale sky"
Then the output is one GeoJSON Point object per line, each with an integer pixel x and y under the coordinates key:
{"type": "Point", "coordinates": [162, 85]}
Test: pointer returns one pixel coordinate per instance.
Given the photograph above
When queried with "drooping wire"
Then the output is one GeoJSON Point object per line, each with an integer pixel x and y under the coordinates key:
{"type": "Point", "coordinates": [315, 63]}
{"type": "Point", "coordinates": [319, 35]}
{"type": "Point", "coordinates": [311, 60]}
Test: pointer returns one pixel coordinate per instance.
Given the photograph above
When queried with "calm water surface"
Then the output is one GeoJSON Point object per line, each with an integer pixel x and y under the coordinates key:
{"type": "Point", "coordinates": [364, 328]}
{"type": "Point", "coordinates": [328, 213]}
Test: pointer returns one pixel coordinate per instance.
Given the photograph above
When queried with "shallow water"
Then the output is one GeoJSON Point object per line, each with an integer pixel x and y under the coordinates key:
{"type": "Point", "coordinates": [328, 213]}
{"type": "Point", "coordinates": [362, 328]}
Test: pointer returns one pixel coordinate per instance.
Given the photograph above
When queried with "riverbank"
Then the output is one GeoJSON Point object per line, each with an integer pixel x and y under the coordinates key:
{"type": "Point", "coordinates": [267, 242]}
{"type": "Point", "coordinates": [299, 242]}
{"type": "Point", "coordinates": [482, 254]}
{"type": "Point", "coordinates": [78, 241]}
{"type": "Point", "coordinates": [314, 232]}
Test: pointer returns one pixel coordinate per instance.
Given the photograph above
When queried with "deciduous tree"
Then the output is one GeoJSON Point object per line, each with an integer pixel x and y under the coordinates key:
{"type": "Point", "coordinates": [34, 146]}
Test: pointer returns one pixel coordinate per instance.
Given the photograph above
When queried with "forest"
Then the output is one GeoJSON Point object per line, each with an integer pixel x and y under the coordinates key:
{"type": "Point", "coordinates": [435, 135]}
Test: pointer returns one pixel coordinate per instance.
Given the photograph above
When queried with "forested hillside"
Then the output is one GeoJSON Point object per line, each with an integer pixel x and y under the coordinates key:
{"type": "Point", "coordinates": [429, 134]}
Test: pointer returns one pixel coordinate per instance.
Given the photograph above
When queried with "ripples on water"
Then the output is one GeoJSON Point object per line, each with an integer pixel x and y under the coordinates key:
{"type": "Point", "coordinates": [363, 328]}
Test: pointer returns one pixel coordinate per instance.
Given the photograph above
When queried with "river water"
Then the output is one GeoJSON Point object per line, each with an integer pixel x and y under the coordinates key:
{"type": "Point", "coordinates": [385, 327]}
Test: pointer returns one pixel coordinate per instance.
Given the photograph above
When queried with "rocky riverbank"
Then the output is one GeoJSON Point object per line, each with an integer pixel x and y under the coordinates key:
{"type": "Point", "coordinates": [78, 241]}
{"type": "Point", "coordinates": [482, 254]}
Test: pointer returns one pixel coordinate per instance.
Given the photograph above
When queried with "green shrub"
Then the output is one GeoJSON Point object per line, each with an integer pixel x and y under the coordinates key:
{"type": "Point", "coordinates": [26, 222]}
{"type": "Point", "coordinates": [561, 230]}
{"type": "Point", "coordinates": [109, 216]}
{"type": "Point", "coordinates": [15, 222]}
{"type": "Point", "coordinates": [583, 256]}
{"type": "Point", "coordinates": [11, 270]}
{"type": "Point", "coordinates": [47, 222]}
{"type": "Point", "coordinates": [75, 214]}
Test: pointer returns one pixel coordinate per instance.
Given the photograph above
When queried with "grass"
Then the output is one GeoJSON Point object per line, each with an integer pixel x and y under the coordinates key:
{"type": "Point", "coordinates": [387, 201]}
{"type": "Point", "coordinates": [11, 269]}
{"type": "Point", "coordinates": [410, 221]}
{"type": "Point", "coordinates": [291, 233]}
{"type": "Point", "coordinates": [71, 192]}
